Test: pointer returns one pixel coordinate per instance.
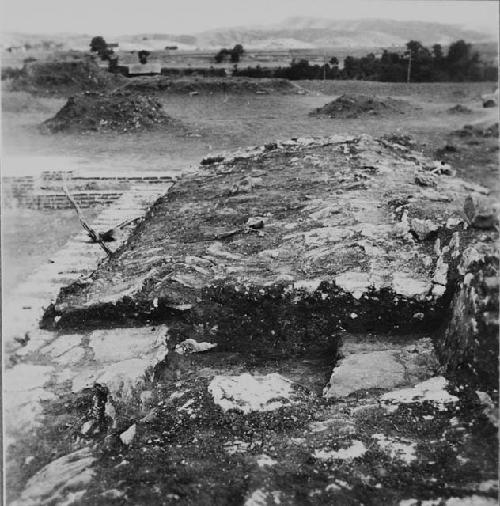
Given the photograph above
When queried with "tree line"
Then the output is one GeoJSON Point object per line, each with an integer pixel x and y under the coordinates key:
{"type": "Point", "coordinates": [418, 63]}
{"type": "Point", "coordinates": [233, 55]}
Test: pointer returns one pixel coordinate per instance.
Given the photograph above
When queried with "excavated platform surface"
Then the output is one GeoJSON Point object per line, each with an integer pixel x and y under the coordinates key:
{"type": "Point", "coordinates": [183, 385]}
{"type": "Point", "coordinates": [348, 219]}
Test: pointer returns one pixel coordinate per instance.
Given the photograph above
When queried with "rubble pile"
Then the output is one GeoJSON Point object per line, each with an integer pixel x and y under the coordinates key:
{"type": "Point", "coordinates": [478, 130]}
{"type": "Point", "coordinates": [473, 152]}
{"type": "Point", "coordinates": [359, 106]}
{"type": "Point", "coordinates": [459, 109]}
{"type": "Point", "coordinates": [64, 77]}
{"type": "Point", "coordinates": [119, 111]}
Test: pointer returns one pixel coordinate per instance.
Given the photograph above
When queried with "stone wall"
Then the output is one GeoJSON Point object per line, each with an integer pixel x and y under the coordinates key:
{"type": "Point", "coordinates": [469, 349]}
{"type": "Point", "coordinates": [45, 191]}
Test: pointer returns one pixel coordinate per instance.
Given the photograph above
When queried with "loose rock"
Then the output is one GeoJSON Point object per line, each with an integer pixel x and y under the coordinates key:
{"type": "Point", "coordinates": [424, 229]}
{"type": "Point", "coordinates": [480, 212]}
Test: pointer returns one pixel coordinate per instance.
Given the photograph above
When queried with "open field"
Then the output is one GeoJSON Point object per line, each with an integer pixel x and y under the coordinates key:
{"type": "Point", "coordinates": [424, 92]}
{"type": "Point", "coordinates": [222, 121]}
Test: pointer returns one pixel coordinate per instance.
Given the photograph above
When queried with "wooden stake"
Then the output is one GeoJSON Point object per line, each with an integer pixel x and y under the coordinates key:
{"type": "Point", "coordinates": [92, 233]}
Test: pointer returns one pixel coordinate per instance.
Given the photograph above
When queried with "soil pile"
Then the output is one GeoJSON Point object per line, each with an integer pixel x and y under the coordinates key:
{"type": "Point", "coordinates": [401, 139]}
{"type": "Point", "coordinates": [473, 152]}
{"type": "Point", "coordinates": [212, 85]}
{"type": "Point", "coordinates": [459, 109]}
{"type": "Point", "coordinates": [478, 130]}
{"type": "Point", "coordinates": [117, 111]}
{"type": "Point", "coordinates": [358, 106]}
{"type": "Point", "coordinates": [64, 77]}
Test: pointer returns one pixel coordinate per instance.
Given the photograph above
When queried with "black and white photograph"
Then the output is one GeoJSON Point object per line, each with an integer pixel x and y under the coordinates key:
{"type": "Point", "coordinates": [250, 252]}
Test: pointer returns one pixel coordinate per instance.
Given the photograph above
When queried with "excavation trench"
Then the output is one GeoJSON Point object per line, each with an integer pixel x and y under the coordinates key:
{"type": "Point", "coordinates": [214, 426]}
{"type": "Point", "coordinates": [196, 414]}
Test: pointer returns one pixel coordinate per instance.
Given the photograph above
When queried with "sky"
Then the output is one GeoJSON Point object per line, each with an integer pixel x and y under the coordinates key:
{"type": "Point", "coordinates": [114, 17]}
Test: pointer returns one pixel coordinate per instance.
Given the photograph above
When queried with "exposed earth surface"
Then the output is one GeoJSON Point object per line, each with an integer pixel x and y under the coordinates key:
{"type": "Point", "coordinates": [306, 322]}
{"type": "Point", "coordinates": [311, 320]}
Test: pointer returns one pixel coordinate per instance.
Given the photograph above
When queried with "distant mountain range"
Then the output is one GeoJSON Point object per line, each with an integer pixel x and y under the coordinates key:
{"type": "Point", "coordinates": [318, 32]}
{"type": "Point", "coordinates": [293, 33]}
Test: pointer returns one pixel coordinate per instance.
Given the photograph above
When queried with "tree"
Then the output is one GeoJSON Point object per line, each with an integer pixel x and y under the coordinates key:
{"type": "Point", "coordinates": [236, 53]}
{"type": "Point", "coordinates": [221, 55]}
{"type": "Point", "coordinates": [462, 65]}
{"type": "Point", "coordinates": [351, 67]}
{"type": "Point", "coordinates": [437, 52]}
{"type": "Point", "coordinates": [143, 56]}
{"type": "Point", "coordinates": [98, 45]}
{"type": "Point", "coordinates": [458, 52]}
{"type": "Point", "coordinates": [415, 47]}
{"type": "Point", "coordinates": [427, 65]}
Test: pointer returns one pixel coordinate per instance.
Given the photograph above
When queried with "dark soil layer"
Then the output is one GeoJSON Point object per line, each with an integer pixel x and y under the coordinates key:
{"type": "Point", "coordinates": [212, 85]}
{"type": "Point", "coordinates": [119, 111]}
{"type": "Point", "coordinates": [182, 453]}
{"type": "Point", "coordinates": [358, 106]}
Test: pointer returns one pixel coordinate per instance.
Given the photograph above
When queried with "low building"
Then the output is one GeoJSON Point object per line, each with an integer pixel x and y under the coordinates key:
{"type": "Point", "coordinates": [142, 69]}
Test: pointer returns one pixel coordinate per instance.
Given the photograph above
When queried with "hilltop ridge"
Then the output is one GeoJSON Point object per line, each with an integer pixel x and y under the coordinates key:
{"type": "Point", "coordinates": [294, 32]}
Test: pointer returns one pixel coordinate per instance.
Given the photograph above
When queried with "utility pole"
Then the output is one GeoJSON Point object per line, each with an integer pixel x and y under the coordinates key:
{"type": "Point", "coordinates": [324, 65]}
{"type": "Point", "coordinates": [409, 69]}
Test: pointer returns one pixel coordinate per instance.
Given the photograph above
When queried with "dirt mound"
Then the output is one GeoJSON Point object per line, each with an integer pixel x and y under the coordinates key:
{"type": "Point", "coordinates": [117, 111]}
{"type": "Point", "coordinates": [478, 130]}
{"type": "Point", "coordinates": [212, 85]}
{"type": "Point", "coordinates": [459, 109]}
{"type": "Point", "coordinates": [356, 106]}
{"type": "Point", "coordinates": [64, 77]}
{"type": "Point", "coordinates": [401, 139]}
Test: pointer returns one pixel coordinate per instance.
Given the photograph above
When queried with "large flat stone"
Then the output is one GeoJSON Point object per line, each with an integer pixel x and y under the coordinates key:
{"type": "Point", "coordinates": [63, 481]}
{"type": "Point", "coordinates": [116, 345]}
{"type": "Point", "coordinates": [384, 368]}
{"type": "Point", "coordinates": [378, 369]}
